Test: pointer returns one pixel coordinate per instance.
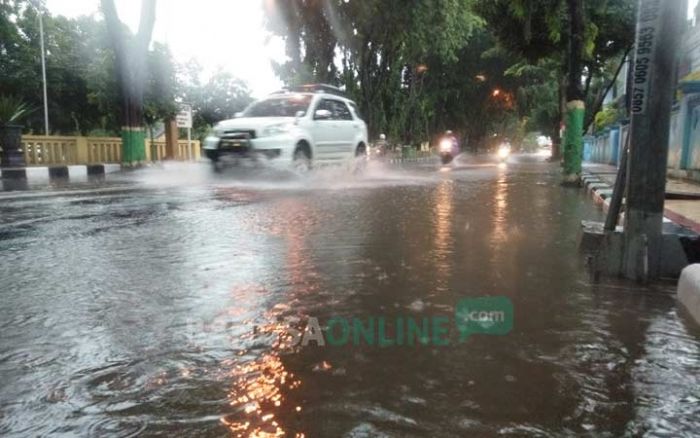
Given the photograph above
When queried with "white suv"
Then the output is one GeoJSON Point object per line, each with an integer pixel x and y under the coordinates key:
{"type": "Point", "coordinates": [310, 124]}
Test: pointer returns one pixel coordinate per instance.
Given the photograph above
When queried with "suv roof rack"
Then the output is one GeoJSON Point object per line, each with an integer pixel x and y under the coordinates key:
{"type": "Point", "coordinates": [313, 88]}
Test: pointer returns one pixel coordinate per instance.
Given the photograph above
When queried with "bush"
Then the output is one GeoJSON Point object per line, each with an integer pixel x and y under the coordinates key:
{"type": "Point", "coordinates": [12, 109]}
{"type": "Point", "coordinates": [607, 117]}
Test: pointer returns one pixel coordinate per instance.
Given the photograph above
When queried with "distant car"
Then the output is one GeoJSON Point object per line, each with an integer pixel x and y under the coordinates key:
{"type": "Point", "coordinates": [297, 128]}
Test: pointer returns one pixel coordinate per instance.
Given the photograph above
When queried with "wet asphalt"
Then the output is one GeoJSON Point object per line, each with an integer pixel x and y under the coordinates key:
{"type": "Point", "coordinates": [159, 302]}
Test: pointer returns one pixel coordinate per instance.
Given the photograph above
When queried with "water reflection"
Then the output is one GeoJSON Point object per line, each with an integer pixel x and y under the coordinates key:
{"type": "Point", "coordinates": [257, 396]}
{"type": "Point", "coordinates": [499, 235]}
{"type": "Point", "coordinates": [261, 383]}
{"type": "Point", "coordinates": [107, 351]}
{"type": "Point", "coordinates": [443, 210]}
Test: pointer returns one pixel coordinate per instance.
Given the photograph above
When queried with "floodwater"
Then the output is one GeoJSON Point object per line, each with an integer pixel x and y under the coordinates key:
{"type": "Point", "coordinates": [157, 303]}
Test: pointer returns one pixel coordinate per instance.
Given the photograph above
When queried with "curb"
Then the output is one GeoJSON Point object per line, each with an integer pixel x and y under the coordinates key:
{"type": "Point", "coordinates": [598, 190]}
{"type": "Point", "coordinates": [47, 173]}
{"type": "Point", "coordinates": [601, 192]}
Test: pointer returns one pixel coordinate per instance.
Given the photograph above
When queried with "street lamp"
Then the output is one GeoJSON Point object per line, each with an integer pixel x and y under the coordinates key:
{"type": "Point", "coordinates": [43, 66]}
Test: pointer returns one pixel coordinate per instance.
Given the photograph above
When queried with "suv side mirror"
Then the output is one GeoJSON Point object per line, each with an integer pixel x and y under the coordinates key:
{"type": "Point", "coordinates": [322, 114]}
{"type": "Point", "coordinates": [299, 114]}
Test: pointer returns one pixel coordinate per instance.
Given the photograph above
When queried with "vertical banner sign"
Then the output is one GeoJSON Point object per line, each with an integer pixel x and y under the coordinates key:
{"type": "Point", "coordinates": [184, 120]}
{"type": "Point", "coordinates": [184, 117]}
{"type": "Point", "coordinates": [648, 28]}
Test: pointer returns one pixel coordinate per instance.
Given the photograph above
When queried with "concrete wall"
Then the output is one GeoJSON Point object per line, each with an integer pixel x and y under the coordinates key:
{"type": "Point", "coordinates": [606, 146]}
{"type": "Point", "coordinates": [675, 142]}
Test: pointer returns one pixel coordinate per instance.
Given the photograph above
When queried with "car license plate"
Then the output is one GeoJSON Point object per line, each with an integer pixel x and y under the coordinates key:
{"type": "Point", "coordinates": [234, 144]}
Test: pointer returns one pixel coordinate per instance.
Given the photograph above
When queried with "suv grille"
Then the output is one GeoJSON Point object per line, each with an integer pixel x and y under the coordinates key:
{"type": "Point", "coordinates": [239, 134]}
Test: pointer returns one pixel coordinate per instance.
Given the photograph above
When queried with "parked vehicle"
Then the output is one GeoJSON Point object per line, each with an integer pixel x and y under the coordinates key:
{"type": "Point", "coordinates": [298, 128]}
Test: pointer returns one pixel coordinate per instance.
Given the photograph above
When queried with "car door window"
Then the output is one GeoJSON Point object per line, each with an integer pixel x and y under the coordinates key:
{"type": "Point", "coordinates": [342, 112]}
{"type": "Point", "coordinates": [327, 104]}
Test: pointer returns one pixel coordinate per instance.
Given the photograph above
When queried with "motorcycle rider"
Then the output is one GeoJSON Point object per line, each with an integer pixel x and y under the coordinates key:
{"type": "Point", "coordinates": [455, 143]}
{"type": "Point", "coordinates": [449, 147]}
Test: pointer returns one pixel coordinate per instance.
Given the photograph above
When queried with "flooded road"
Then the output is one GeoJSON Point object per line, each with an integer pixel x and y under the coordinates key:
{"type": "Point", "coordinates": [157, 303]}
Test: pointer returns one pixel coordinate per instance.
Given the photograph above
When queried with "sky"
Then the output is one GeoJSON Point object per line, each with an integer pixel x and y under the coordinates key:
{"type": "Point", "coordinates": [227, 34]}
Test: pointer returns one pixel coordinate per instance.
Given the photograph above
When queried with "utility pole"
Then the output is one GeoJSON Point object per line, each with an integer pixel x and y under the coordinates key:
{"type": "Point", "coordinates": [575, 99]}
{"type": "Point", "coordinates": [659, 27]}
{"type": "Point", "coordinates": [43, 70]}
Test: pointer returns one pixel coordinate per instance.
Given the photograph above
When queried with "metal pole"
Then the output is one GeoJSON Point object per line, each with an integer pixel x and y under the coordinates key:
{"type": "Point", "coordinates": [655, 56]}
{"type": "Point", "coordinates": [618, 191]}
{"type": "Point", "coordinates": [189, 143]}
{"type": "Point", "coordinates": [43, 73]}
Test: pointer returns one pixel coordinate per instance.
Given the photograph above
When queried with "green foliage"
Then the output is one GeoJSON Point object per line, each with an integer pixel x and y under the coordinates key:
{"type": "Point", "coordinates": [538, 96]}
{"type": "Point", "coordinates": [377, 50]}
{"type": "Point", "coordinates": [461, 93]}
{"type": "Point", "coordinates": [160, 90]}
{"type": "Point", "coordinates": [535, 32]}
{"type": "Point", "coordinates": [538, 29]}
{"type": "Point", "coordinates": [220, 98]}
{"type": "Point", "coordinates": [12, 110]}
{"type": "Point", "coordinates": [607, 117]}
{"type": "Point", "coordinates": [83, 92]}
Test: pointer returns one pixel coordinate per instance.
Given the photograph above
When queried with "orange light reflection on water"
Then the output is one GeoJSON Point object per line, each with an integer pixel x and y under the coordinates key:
{"type": "Point", "coordinates": [257, 393]}
{"type": "Point", "coordinates": [259, 385]}
{"type": "Point", "coordinates": [444, 236]}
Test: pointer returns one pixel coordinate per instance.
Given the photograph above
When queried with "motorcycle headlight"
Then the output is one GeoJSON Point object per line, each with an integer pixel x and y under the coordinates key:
{"type": "Point", "coordinates": [445, 145]}
{"type": "Point", "coordinates": [281, 128]}
{"type": "Point", "coordinates": [503, 152]}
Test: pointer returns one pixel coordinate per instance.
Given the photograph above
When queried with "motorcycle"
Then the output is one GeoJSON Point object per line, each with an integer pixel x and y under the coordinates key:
{"type": "Point", "coordinates": [503, 152]}
{"type": "Point", "coordinates": [447, 150]}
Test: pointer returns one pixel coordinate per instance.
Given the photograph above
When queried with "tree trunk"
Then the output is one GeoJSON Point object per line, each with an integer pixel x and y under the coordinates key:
{"type": "Point", "coordinates": [575, 105]}
{"type": "Point", "coordinates": [131, 52]}
{"type": "Point", "coordinates": [556, 137]}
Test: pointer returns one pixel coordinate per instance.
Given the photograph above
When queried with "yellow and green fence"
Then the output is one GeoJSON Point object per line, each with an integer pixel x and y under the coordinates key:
{"type": "Point", "coordinates": [41, 150]}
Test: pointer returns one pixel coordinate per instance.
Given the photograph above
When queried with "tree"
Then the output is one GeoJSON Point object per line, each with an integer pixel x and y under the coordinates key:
{"type": "Point", "coordinates": [130, 56]}
{"type": "Point", "coordinates": [376, 49]}
{"type": "Point", "coordinates": [575, 98]}
{"type": "Point", "coordinates": [471, 94]}
{"type": "Point", "coordinates": [161, 88]}
{"type": "Point", "coordinates": [220, 98]}
{"type": "Point", "coordinates": [85, 95]}
{"type": "Point", "coordinates": [580, 38]}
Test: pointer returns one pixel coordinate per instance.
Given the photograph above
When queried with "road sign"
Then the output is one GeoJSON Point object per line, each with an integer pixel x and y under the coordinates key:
{"type": "Point", "coordinates": [184, 117]}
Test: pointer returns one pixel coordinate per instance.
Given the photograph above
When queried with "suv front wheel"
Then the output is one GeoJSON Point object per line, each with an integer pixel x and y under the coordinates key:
{"type": "Point", "coordinates": [302, 159]}
{"type": "Point", "coordinates": [360, 163]}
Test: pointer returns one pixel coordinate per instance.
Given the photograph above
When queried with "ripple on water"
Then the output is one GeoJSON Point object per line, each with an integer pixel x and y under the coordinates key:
{"type": "Point", "coordinates": [114, 427]}
{"type": "Point", "coordinates": [366, 430]}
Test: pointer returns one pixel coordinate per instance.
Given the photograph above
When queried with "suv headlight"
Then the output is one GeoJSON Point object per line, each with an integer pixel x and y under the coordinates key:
{"type": "Point", "coordinates": [279, 129]}
{"type": "Point", "coordinates": [214, 132]}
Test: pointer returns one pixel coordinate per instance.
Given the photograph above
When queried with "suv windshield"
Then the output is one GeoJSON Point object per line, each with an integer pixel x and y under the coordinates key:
{"type": "Point", "coordinates": [287, 106]}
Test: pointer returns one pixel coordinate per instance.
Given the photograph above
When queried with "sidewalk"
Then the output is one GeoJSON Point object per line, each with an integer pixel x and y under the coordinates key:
{"type": "Point", "coordinates": [682, 198]}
